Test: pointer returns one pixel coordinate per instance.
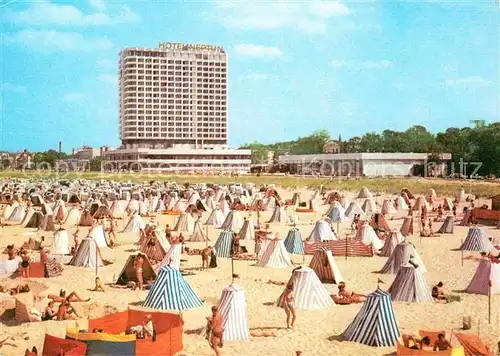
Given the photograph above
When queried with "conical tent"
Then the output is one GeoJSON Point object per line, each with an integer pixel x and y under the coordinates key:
{"type": "Point", "coordinates": [407, 227]}
{"type": "Point", "coordinates": [87, 254]}
{"type": "Point", "coordinates": [198, 235]}
{"type": "Point", "coordinates": [364, 193]}
{"type": "Point", "coordinates": [60, 243]}
{"type": "Point", "coordinates": [294, 243]}
{"type": "Point", "coordinates": [36, 221]}
{"type": "Point", "coordinates": [336, 213]}
{"type": "Point", "coordinates": [402, 254]}
{"type": "Point", "coordinates": [222, 247]}
{"type": "Point", "coordinates": [388, 208]}
{"type": "Point", "coordinates": [325, 266]}
{"type": "Point", "coordinates": [86, 218]}
{"type": "Point", "coordinates": [275, 256]}
{"type": "Point", "coordinates": [209, 203]}
{"type": "Point", "coordinates": [378, 222]}
{"type": "Point", "coordinates": [477, 240]}
{"type": "Point", "coordinates": [410, 286]}
{"type": "Point", "coordinates": [102, 212]}
{"type": "Point", "coordinates": [447, 227]}
{"type": "Point", "coordinates": [135, 224]}
{"type": "Point", "coordinates": [97, 233]}
{"type": "Point", "coordinates": [129, 274]}
{"type": "Point", "coordinates": [420, 203]}
{"type": "Point", "coordinates": [185, 223]}
{"type": "Point", "coordinates": [321, 232]}
{"type": "Point", "coordinates": [232, 308]}
{"type": "Point", "coordinates": [279, 216]}
{"type": "Point", "coordinates": [368, 236]}
{"type": "Point", "coordinates": [391, 241]}
{"type": "Point", "coordinates": [154, 248]}
{"type": "Point", "coordinates": [309, 292]}
{"type": "Point", "coordinates": [486, 271]}
{"type": "Point", "coordinates": [7, 211]}
{"type": "Point", "coordinates": [48, 223]}
{"type": "Point", "coordinates": [170, 291]}
{"type": "Point", "coordinates": [233, 221]}
{"type": "Point", "coordinates": [296, 199]}
{"type": "Point", "coordinates": [17, 214]}
{"type": "Point", "coordinates": [27, 217]}
{"type": "Point", "coordinates": [401, 205]}
{"type": "Point", "coordinates": [172, 257]}
{"type": "Point", "coordinates": [375, 324]}
{"type": "Point", "coordinates": [369, 207]}
{"type": "Point", "coordinates": [73, 217]}
{"type": "Point", "coordinates": [216, 218]}
{"type": "Point", "coordinates": [247, 231]}
{"type": "Point", "coordinates": [354, 209]}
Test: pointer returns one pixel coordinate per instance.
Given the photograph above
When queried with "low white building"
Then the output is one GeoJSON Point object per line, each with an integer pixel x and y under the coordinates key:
{"type": "Point", "coordinates": [361, 164]}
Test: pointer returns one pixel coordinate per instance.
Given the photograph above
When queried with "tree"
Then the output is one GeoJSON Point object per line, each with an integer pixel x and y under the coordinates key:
{"type": "Point", "coordinates": [96, 164]}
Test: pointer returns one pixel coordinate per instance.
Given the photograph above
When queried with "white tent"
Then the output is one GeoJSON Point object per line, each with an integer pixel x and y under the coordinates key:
{"type": "Point", "coordinates": [354, 209]}
{"type": "Point", "coordinates": [369, 206]}
{"type": "Point", "coordinates": [486, 271]}
{"type": "Point", "coordinates": [185, 223]}
{"type": "Point", "coordinates": [97, 233]}
{"type": "Point", "coordinates": [232, 308]}
{"type": "Point", "coordinates": [172, 258]}
{"type": "Point", "coordinates": [135, 224]}
{"type": "Point", "coordinates": [60, 243]}
{"type": "Point", "coordinates": [233, 221]}
{"type": "Point", "coordinates": [198, 234]}
{"type": "Point", "coordinates": [321, 232]}
{"type": "Point", "coordinates": [216, 218]}
{"type": "Point", "coordinates": [87, 254]}
{"type": "Point", "coordinates": [279, 216]}
{"type": "Point", "coordinates": [73, 217]}
{"type": "Point", "coordinates": [275, 256]}
{"type": "Point", "coordinates": [368, 236]}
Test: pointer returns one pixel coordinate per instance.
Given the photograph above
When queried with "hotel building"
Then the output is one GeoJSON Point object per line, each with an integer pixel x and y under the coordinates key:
{"type": "Point", "coordinates": [173, 111]}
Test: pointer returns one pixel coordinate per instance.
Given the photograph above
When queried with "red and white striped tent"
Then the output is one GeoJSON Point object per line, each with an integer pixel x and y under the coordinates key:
{"type": "Point", "coordinates": [323, 263]}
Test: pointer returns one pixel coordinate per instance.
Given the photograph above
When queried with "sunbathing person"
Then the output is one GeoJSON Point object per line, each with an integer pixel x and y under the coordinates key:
{"type": "Point", "coordinates": [418, 344]}
{"type": "Point", "coordinates": [144, 330]}
{"type": "Point", "coordinates": [49, 314]}
{"type": "Point", "coordinates": [437, 292]}
{"type": "Point", "coordinates": [21, 288]}
{"type": "Point", "coordinates": [346, 296]}
{"type": "Point", "coordinates": [72, 297]}
{"type": "Point", "coordinates": [441, 344]}
{"type": "Point", "coordinates": [66, 312]}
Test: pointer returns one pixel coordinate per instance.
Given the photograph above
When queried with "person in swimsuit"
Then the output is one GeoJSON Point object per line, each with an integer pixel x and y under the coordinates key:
{"type": "Point", "coordinates": [75, 239]}
{"type": "Point", "coordinates": [139, 261]}
{"type": "Point", "coordinates": [11, 252]}
{"type": "Point", "coordinates": [25, 264]}
{"type": "Point", "coordinates": [236, 245]}
{"type": "Point", "coordinates": [111, 233]}
{"type": "Point", "coordinates": [205, 257]}
{"type": "Point", "coordinates": [289, 306]}
{"type": "Point", "coordinates": [441, 344]}
{"type": "Point", "coordinates": [49, 314]}
{"type": "Point", "coordinates": [216, 330]}
{"type": "Point", "coordinates": [346, 296]}
{"type": "Point", "coordinates": [72, 297]}
{"type": "Point", "coordinates": [66, 312]}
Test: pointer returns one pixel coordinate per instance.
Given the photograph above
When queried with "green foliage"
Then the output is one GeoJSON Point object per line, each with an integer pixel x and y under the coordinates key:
{"type": "Point", "coordinates": [96, 164]}
{"type": "Point", "coordinates": [47, 159]}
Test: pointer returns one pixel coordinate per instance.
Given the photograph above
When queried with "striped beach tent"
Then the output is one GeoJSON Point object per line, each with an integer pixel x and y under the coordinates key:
{"type": "Point", "coordinates": [247, 231]}
{"type": "Point", "coordinates": [375, 324]}
{"type": "Point", "coordinates": [353, 209]}
{"type": "Point", "coordinates": [392, 239]}
{"type": "Point", "coordinates": [410, 286]}
{"type": "Point", "coordinates": [172, 257]}
{"type": "Point", "coordinates": [325, 267]}
{"type": "Point", "coordinates": [321, 232]}
{"type": "Point", "coordinates": [87, 254]}
{"type": "Point", "coordinates": [294, 243]}
{"type": "Point", "coordinates": [279, 216]}
{"type": "Point", "coordinates": [336, 212]}
{"type": "Point", "coordinates": [486, 271]}
{"type": "Point", "coordinates": [309, 293]}
{"type": "Point", "coordinates": [198, 234]}
{"type": "Point", "coordinates": [170, 291]}
{"type": "Point", "coordinates": [369, 206]}
{"type": "Point", "coordinates": [232, 308]}
{"type": "Point", "coordinates": [402, 255]}
{"type": "Point", "coordinates": [275, 256]}
{"type": "Point", "coordinates": [223, 244]}
{"type": "Point", "coordinates": [477, 240]}
{"type": "Point", "coordinates": [185, 223]}
{"type": "Point", "coordinates": [135, 224]}
{"type": "Point", "coordinates": [154, 248]}
{"type": "Point", "coordinates": [407, 227]}
{"type": "Point", "coordinates": [233, 221]}
{"type": "Point", "coordinates": [216, 218]}
{"type": "Point", "coordinates": [447, 227]}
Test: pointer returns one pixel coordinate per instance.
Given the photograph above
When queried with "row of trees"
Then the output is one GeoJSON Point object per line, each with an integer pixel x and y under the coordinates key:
{"type": "Point", "coordinates": [478, 145]}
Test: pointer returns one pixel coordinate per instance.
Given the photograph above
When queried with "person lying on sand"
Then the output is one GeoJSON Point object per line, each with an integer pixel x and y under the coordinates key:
{"type": "Point", "coordinates": [439, 295]}
{"type": "Point", "coordinates": [21, 288]}
{"type": "Point", "coordinates": [72, 297]}
{"type": "Point", "coordinates": [66, 312]}
{"type": "Point", "coordinates": [418, 343]}
{"type": "Point", "coordinates": [346, 296]}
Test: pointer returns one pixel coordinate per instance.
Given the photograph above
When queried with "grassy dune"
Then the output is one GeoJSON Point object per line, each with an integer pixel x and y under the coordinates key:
{"type": "Point", "coordinates": [387, 185]}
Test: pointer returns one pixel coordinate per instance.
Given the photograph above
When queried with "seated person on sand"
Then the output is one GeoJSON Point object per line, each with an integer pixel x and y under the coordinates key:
{"type": "Point", "coordinates": [144, 330]}
{"type": "Point", "coordinates": [418, 343]}
{"type": "Point", "coordinates": [49, 313]}
{"type": "Point", "coordinates": [99, 286]}
{"type": "Point", "coordinates": [441, 344]}
{"type": "Point", "coordinates": [437, 292]}
{"type": "Point", "coordinates": [66, 312]}
{"type": "Point", "coordinates": [33, 352]}
{"type": "Point", "coordinates": [72, 297]}
{"type": "Point", "coordinates": [346, 296]}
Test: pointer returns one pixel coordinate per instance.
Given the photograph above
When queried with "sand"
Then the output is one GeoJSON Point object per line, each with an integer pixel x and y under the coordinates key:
{"type": "Point", "coordinates": [316, 332]}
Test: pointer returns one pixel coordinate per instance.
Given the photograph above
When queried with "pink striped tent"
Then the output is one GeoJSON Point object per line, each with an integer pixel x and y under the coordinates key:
{"type": "Point", "coordinates": [486, 271]}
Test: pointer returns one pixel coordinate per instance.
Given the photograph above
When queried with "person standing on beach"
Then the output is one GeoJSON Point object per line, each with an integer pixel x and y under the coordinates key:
{"type": "Point", "coordinates": [138, 270]}
{"type": "Point", "coordinates": [289, 306]}
{"type": "Point", "coordinates": [215, 331]}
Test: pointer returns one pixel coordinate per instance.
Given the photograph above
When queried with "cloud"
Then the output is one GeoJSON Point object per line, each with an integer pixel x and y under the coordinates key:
{"type": "Point", "coordinates": [383, 64]}
{"type": "Point", "coordinates": [468, 81]}
{"type": "Point", "coordinates": [252, 50]}
{"type": "Point", "coordinates": [99, 5]}
{"type": "Point", "coordinates": [253, 76]}
{"type": "Point", "coordinates": [108, 78]}
{"type": "Point", "coordinates": [310, 16]}
{"type": "Point", "coordinates": [45, 13]}
{"type": "Point", "coordinates": [73, 97]}
{"type": "Point", "coordinates": [12, 88]}
{"type": "Point", "coordinates": [56, 41]}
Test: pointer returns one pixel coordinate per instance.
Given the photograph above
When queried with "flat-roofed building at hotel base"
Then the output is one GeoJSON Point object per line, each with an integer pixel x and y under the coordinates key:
{"type": "Point", "coordinates": [178, 160]}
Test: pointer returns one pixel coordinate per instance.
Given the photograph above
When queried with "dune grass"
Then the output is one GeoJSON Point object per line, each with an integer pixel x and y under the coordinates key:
{"type": "Point", "coordinates": [377, 185]}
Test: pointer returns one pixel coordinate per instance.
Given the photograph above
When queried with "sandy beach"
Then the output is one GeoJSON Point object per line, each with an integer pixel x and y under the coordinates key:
{"type": "Point", "coordinates": [316, 332]}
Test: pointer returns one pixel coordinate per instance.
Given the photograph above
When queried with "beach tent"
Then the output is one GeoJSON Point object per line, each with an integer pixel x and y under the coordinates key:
{"type": "Point", "coordinates": [128, 272]}
{"type": "Point", "coordinates": [233, 221]}
{"type": "Point", "coordinates": [135, 224]}
{"type": "Point", "coordinates": [369, 206]}
{"type": "Point", "coordinates": [477, 240]}
{"type": "Point", "coordinates": [86, 218]}
{"type": "Point", "coordinates": [421, 203]}
{"type": "Point", "coordinates": [232, 308]}
{"type": "Point", "coordinates": [247, 231]}
{"type": "Point", "coordinates": [388, 208]}
{"type": "Point", "coordinates": [155, 248]}
{"type": "Point", "coordinates": [368, 236]}
{"type": "Point", "coordinates": [27, 216]}
{"type": "Point", "coordinates": [185, 223]}
{"type": "Point", "coordinates": [172, 257]}
{"type": "Point", "coordinates": [375, 324]}
{"type": "Point", "coordinates": [354, 209]}
{"type": "Point", "coordinates": [486, 271]}
{"type": "Point", "coordinates": [432, 194]}
{"type": "Point", "coordinates": [101, 212]}
{"type": "Point", "coordinates": [216, 218]}
{"type": "Point", "coordinates": [54, 346]}
{"type": "Point", "coordinates": [87, 254]}
{"type": "Point", "coordinates": [336, 212]}
{"type": "Point", "coordinates": [209, 203]}
{"type": "Point", "coordinates": [170, 291]}
{"type": "Point", "coordinates": [118, 208]}
{"type": "Point", "coordinates": [36, 221]}
{"type": "Point", "coordinates": [279, 216]}
{"type": "Point", "coordinates": [7, 211]}
{"type": "Point", "coordinates": [293, 242]}
{"type": "Point", "coordinates": [364, 193]}
{"type": "Point", "coordinates": [407, 227]}
{"type": "Point", "coordinates": [410, 286]}
{"type": "Point", "coordinates": [275, 256]}
{"type": "Point", "coordinates": [198, 234]}
{"type": "Point", "coordinates": [392, 239]}
{"type": "Point", "coordinates": [321, 232]}
{"type": "Point", "coordinates": [224, 207]}
{"type": "Point", "coordinates": [48, 223]}
{"type": "Point", "coordinates": [401, 205]}
{"type": "Point", "coordinates": [402, 255]}
{"type": "Point", "coordinates": [223, 245]}
{"type": "Point", "coordinates": [97, 233]}
{"type": "Point", "coordinates": [73, 217]}
{"type": "Point", "coordinates": [447, 227]}
{"type": "Point", "coordinates": [296, 199]}
{"type": "Point", "coordinates": [378, 222]}
{"type": "Point", "coordinates": [60, 243]}
{"type": "Point", "coordinates": [325, 266]}
{"type": "Point", "coordinates": [17, 215]}
{"type": "Point", "coordinates": [309, 292]}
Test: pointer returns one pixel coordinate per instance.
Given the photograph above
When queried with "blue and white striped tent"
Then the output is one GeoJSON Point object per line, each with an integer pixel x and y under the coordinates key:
{"type": "Point", "coordinates": [375, 324]}
{"type": "Point", "coordinates": [336, 213]}
{"type": "Point", "coordinates": [294, 243]}
{"type": "Point", "coordinates": [477, 240]}
{"type": "Point", "coordinates": [223, 244]}
{"type": "Point", "coordinates": [171, 292]}
{"type": "Point", "coordinates": [232, 307]}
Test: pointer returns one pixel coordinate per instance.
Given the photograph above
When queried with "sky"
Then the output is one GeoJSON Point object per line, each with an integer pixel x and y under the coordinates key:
{"type": "Point", "coordinates": [294, 66]}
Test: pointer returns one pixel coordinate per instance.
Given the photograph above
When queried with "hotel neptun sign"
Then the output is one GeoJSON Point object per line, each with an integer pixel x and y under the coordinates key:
{"type": "Point", "coordinates": [190, 47]}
